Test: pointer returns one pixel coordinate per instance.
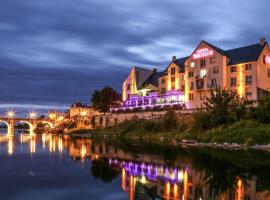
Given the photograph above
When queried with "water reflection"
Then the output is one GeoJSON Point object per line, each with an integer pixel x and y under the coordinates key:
{"type": "Point", "coordinates": [171, 173]}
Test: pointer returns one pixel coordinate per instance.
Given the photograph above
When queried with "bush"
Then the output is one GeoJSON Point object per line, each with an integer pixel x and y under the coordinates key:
{"type": "Point", "coordinates": [170, 120]}
{"type": "Point", "coordinates": [201, 121]}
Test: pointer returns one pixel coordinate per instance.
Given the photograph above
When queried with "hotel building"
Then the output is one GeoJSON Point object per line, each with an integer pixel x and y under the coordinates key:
{"type": "Point", "coordinates": [188, 81]}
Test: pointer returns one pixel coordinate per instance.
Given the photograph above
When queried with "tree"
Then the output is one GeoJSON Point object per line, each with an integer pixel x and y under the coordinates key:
{"type": "Point", "coordinates": [225, 106]}
{"type": "Point", "coordinates": [102, 100]}
{"type": "Point", "coordinates": [262, 112]}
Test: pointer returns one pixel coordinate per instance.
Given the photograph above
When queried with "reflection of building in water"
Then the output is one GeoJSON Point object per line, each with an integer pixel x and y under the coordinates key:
{"type": "Point", "coordinates": [80, 149]}
{"type": "Point", "coordinates": [178, 182]}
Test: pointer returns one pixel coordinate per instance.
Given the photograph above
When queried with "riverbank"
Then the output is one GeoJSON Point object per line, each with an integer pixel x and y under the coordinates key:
{"type": "Point", "coordinates": [242, 134]}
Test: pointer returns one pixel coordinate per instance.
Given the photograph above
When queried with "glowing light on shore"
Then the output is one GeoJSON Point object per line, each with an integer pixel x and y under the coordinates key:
{"type": "Point", "coordinates": [33, 114]}
{"type": "Point", "coordinates": [10, 113]}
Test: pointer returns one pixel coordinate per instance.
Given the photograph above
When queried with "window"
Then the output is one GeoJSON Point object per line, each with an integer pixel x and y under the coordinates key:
{"type": "Point", "coordinates": [212, 60]}
{"type": "Point", "coordinates": [248, 80]}
{"type": "Point", "coordinates": [182, 77]}
{"type": "Point", "coordinates": [163, 81]}
{"type": "Point", "coordinates": [183, 88]}
{"type": "Point", "coordinates": [201, 96]}
{"type": "Point", "coordinates": [213, 83]}
{"type": "Point", "coordinates": [268, 72]}
{"type": "Point", "coordinates": [203, 73]}
{"type": "Point", "coordinates": [192, 64]}
{"type": "Point", "coordinates": [248, 67]}
{"type": "Point", "coordinates": [215, 70]}
{"type": "Point", "coordinates": [248, 94]}
{"type": "Point", "coordinates": [202, 63]}
{"type": "Point", "coordinates": [172, 71]}
{"type": "Point", "coordinates": [191, 86]}
{"type": "Point", "coordinates": [128, 87]}
{"type": "Point", "coordinates": [190, 96]}
{"type": "Point", "coordinates": [173, 79]}
{"type": "Point", "coordinates": [173, 88]}
{"type": "Point", "coordinates": [264, 59]}
{"type": "Point", "coordinates": [190, 74]}
{"type": "Point", "coordinates": [163, 90]}
{"type": "Point", "coordinates": [233, 68]}
{"type": "Point", "coordinates": [233, 81]}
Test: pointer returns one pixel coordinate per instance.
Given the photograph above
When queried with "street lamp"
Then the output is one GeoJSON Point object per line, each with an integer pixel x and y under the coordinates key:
{"type": "Point", "coordinates": [33, 114]}
{"type": "Point", "coordinates": [10, 114]}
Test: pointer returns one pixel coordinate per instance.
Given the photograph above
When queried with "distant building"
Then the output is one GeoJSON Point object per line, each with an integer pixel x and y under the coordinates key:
{"type": "Point", "coordinates": [81, 110]}
{"type": "Point", "coordinates": [189, 80]}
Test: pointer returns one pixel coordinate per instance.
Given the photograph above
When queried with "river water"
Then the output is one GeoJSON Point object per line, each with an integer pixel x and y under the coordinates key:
{"type": "Point", "coordinates": [53, 167]}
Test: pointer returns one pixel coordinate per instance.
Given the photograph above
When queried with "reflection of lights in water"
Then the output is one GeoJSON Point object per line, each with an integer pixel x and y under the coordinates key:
{"type": "Point", "coordinates": [124, 179]}
{"type": "Point", "coordinates": [175, 192]}
{"type": "Point", "coordinates": [131, 187]}
{"type": "Point", "coordinates": [60, 144]}
{"type": "Point", "coordinates": [83, 151]}
{"type": "Point", "coordinates": [185, 185]}
{"type": "Point", "coordinates": [143, 180]}
{"type": "Point", "coordinates": [52, 144]}
{"type": "Point", "coordinates": [33, 145]}
{"type": "Point", "coordinates": [10, 145]}
{"type": "Point", "coordinates": [180, 175]}
{"type": "Point", "coordinates": [167, 190]}
{"type": "Point", "coordinates": [239, 190]}
{"type": "Point", "coordinates": [43, 141]}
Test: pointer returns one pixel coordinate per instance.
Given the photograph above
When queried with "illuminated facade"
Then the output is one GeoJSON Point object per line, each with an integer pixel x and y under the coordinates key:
{"type": "Point", "coordinates": [189, 80]}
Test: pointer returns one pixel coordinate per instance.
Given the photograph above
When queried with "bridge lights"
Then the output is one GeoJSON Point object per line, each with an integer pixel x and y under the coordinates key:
{"type": "Point", "coordinates": [10, 114]}
{"type": "Point", "coordinates": [32, 114]}
{"type": "Point", "coordinates": [52, 115]}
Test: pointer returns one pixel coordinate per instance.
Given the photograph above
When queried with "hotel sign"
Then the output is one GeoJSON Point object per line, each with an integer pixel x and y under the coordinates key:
{"type": "Point", "coordinates": [267, 59]}
{"type": "Point", "coordinates": [201, 53]}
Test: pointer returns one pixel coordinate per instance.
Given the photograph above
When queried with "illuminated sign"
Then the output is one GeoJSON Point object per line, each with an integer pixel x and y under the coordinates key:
{"type": "Point", "coordinates": [267, 59]}
{"type": "Point", "coordinates": [200, 53]}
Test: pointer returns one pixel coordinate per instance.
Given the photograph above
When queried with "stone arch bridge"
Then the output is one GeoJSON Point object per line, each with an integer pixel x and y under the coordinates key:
{"type": "Point", "coordinates": [32, 123]}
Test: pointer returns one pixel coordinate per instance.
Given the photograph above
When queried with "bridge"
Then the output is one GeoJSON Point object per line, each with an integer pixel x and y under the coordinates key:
{"type": "Point", "coordinates": [32, 121]}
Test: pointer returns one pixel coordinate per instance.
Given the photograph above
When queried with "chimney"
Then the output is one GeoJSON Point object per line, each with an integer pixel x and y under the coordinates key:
{"type": "Point", "coordinates": [262, 41]}
{"type": "Point", "coordinates": [173, 58]}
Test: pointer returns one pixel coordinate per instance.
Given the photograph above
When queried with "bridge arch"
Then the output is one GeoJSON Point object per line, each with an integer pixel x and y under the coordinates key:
{"type": "Point", "coordinates": [31, 126]}
{"type": "Point", "coordinates": [5, 122]}
{"type": "Point", "coordinates": [46, 122]}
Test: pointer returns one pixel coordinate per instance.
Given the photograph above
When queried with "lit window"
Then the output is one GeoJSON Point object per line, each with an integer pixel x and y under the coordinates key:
{"type": "Point", "coordinates": [233, 81]}
{"type": "Point", "coordinates": [182, 88]}
{"type": "Point", "coordinates": [192, 64]}
{"type": "Point", "coordinates": [173, 79]}
{"type": "Point", "coordinates": [203, 73]}
{"type": "Point", "coordinates": [163, 90]}
{"type": "Point", "coordinates": [248, 80]}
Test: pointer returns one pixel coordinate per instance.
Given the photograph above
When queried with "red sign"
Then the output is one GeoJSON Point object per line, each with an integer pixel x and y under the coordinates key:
{"type": "Point", "coordinates": [201, 53]}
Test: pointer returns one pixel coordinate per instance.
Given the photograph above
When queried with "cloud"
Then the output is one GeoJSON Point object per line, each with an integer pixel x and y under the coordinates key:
{"type": "Point", "coordinates": [56, 52]}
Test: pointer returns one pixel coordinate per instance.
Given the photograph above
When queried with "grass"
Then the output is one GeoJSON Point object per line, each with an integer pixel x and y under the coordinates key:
{"type": "Point", "coordinates": [242, 132]}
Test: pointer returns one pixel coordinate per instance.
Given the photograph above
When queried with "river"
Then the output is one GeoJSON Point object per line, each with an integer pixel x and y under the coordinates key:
{"type": "Point", "coordinates": [54, 167]}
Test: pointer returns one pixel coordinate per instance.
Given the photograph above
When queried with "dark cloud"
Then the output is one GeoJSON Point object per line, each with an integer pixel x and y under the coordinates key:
{"type": "Point", "coordinates": [56, 52]}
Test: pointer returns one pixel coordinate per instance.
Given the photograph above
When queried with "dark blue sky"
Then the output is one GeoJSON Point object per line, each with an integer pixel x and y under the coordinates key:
{"type": "Point", "coordinates": [53, 52]}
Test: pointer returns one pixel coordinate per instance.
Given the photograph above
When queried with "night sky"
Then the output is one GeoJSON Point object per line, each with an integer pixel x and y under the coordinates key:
{"type": "Point", "coordinates": [54, 52]}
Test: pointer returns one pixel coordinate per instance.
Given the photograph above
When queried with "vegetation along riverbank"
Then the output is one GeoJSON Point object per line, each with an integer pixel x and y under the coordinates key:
{"type": "Point", "coordinates": [227, 118]}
